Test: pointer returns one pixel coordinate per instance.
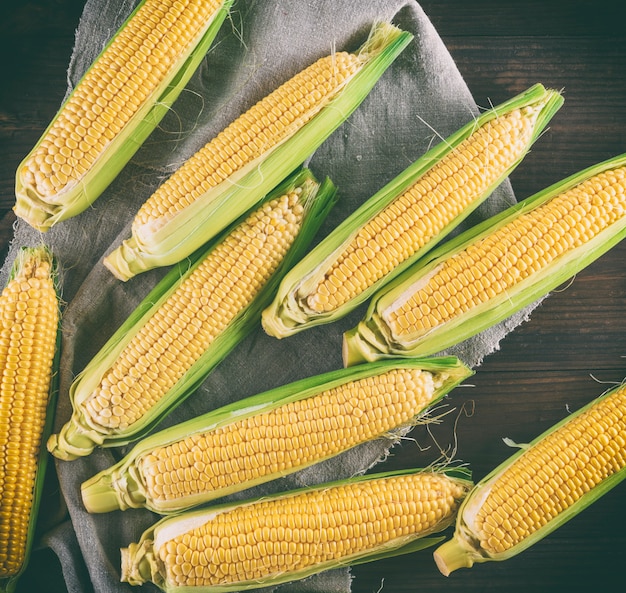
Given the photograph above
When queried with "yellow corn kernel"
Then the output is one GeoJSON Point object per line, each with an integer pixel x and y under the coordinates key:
{"type": "Point", "coordinates": [29, 319]}
{"type": "Point", "coordinates": [261, 128]}
{"type": "Point", "coordinates": [113, 90]}
{"type": "Point", "coordinates": [420, 214]}
{"type": "Point", "coordinates": [290, 436]}
{"type": "Point", "coordinates": [515, 251]}
{"type": "Point", "coordinates": [197, 312]}
{"type": "Point", "coordinates": [282, 538]}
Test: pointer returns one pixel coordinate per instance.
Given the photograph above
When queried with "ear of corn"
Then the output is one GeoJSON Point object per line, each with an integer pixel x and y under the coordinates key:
{"type": "Point", "coordinates": [496, 268]}
{"type": "Point", "coordinates": [406, 218]}
{"type": "Point", "coordinates": [116, 105]}
{"type": "Point", "coordinates": [287, 537]}
{"type": "Point", "coordinates": [190, 321]}
{"type": "Point", "coordinates": [28, 355]}
{"type": "Point", "coordinates": [271, 435]}
{"type": "Point", "coordinates": [254, 153]}
{"type": "Point", "coordinates": [542, 486]}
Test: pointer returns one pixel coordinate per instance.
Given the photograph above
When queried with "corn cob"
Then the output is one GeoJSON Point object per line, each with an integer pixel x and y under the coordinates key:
{"type": "Point", "coordinates": [271, 435]}
{"type": "Point", "coordinates": [287, 537]}
{"type": "Point", "coordinates": [542, 486]}
{"type": "Point", "coordinates": [190, 321]}
{"type": "Point", "coordinates": [28, 347]}
{"type": "Point", "coordinates": [406, 218]}
{"type": "Point", "coordinates": [496, 268]}
{"type": "Point", "coordinates": [254, 153]}
{"type": "Point", "coordinates": [115, 106]}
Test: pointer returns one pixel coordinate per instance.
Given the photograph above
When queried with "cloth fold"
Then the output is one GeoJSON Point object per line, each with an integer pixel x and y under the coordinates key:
{"type": "Point", "coordinates": [419, 100]}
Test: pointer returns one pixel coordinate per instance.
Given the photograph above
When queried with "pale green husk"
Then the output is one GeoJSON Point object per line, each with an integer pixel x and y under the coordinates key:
{"type": "Point", "coordinates": [289, 314]}
{"type": "Point", "coordinates": [179, 236]}
{"type": "Point", "coordinates": [79, 436]}
{"type": "Point", "coordinates": [122, 486]}
{"type": "Point", "coordinates": [42, 212]}
{"type": "Point", "coordinates": [464, 550]}
{"type": "Point", "coordinates": [41, 252]}
{"type": "Point", "coordinates": [371, 338]}
{"type": "Point", "coordinates": [140, 561]}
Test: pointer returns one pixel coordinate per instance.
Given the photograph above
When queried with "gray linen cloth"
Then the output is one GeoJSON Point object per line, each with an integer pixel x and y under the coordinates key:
{"type": "Point", "coordinates": [419, 100]}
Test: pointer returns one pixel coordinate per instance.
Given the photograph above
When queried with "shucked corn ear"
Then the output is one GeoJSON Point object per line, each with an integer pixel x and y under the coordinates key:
{"type": "Point", "coordinates": [271, 435]}
{"type": "Point", "coordinates": [254, 153]}
{"type": "Point", "coordinates": [29, 312]}
{"type": "Point", "coordinates": [190, 321]}
{"type": "Point", "coordinates": [287, 537]}
{"type": "Point", "coordinates": [115, 106]}
{"type": "Point", "coordinates": [496, 268]}
{"type": "Point", "coordinates": [542, 486]}
{"type": "Point", "coordinates": [406, 218]}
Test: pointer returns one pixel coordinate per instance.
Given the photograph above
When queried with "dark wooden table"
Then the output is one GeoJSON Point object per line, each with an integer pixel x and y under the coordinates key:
{"type": "Point", "coordinates": [574, 346]}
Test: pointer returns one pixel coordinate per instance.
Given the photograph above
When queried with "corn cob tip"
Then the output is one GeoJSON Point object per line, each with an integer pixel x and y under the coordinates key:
{"type": "Point", "coordinates": [100, 495]}
{"type": "Point", "coordinates": [138, 564]}
{"type": "Point", "coordinates": [355, 350]}
{"type": "Point", "coordinates": [71, 442]}
{"type": "Point", "coordinates": [123, 262]}
{"type": "Point", "coordinates": [451, 556]}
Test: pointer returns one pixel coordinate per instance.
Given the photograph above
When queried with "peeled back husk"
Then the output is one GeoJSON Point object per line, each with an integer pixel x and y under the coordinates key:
{"type": "Point", "coordinates": [373, 338]}
{"type": "Point", "coordinates": [43, 211]}
{"type": "Point", "coordinates": [564, 456]}
{"type": "Point", "coordinates": [124, 485]}
{"type": "Point", "coordinates": [291, 310]}
{"type": "Point", "coordinates": [81, 434]}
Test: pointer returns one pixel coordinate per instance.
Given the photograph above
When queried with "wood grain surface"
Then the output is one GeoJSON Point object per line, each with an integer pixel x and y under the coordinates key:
{"type": "Point", "coordinates": [570, 351]}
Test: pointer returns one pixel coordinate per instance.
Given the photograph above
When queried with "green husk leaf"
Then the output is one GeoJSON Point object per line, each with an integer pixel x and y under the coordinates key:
{"type": "Point", "coordinates": [78, 437]}
{"type": "Point", "coordinates": [215, 209]}
{"type": "Point", "coordinates": [371, 339]}
{"type": "Point", "coordinates": [9, 584]}
{"type": "Point", "coordinates": [140, 564]}
{"type": "Point", "coordinates": [121, 486]}
{"type": "Point", "coordinates": [43, 212]}
{"type": "Point", "coordinates": [288, 314]}
{"type": "Point", "coordinates": [464, 550]}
